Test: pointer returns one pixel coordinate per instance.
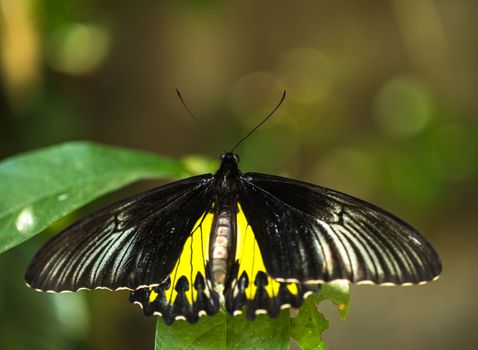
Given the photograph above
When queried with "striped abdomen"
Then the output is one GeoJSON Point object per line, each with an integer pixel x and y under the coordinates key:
{"type": "Point", "coordinates": [222, 241]}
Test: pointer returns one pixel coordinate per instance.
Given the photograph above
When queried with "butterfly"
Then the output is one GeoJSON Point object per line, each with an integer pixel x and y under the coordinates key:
{"type": "Point", "coordinates": [254, 242]}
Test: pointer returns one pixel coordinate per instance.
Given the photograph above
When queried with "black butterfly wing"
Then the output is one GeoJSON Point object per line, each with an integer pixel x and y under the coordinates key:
{"type": "Point", "coordinates": [311, 234]}
{"type": "Point", "coordinates": [188, 292]}
{"type": "Point", "coordinates": [130, 244]}
{"type": "Point", "coordinates": [251, 288]}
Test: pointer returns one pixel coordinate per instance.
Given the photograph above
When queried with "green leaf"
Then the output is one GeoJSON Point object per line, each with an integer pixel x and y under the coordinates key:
{"type": "Point", "coordinates": [39, 187]}
{"type": "Point", "coordinates": [207, 333]}
{"type": "Point", "coordinates": [307, 328]}
{"type": "Point", "coordinates": [261, 333]}
{"type": "Point", "coordinates": [337, 292]}
{"type": "Point", "coordinates": [223, 331]}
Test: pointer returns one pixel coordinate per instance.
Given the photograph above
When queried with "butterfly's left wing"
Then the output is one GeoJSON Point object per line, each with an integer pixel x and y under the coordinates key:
{"type": "Point", "coordinates": [154, 244]}
{"type": "Point", "coordinates": [135, 242]}
{"type": "Point", "coordinates": [310, 234]}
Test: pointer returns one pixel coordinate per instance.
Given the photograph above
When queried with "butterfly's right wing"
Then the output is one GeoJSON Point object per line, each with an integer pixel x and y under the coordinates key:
{"type": "Point", "coordinates": [312, 234]}
{"type": "Point", "coordinates": [131, 244]}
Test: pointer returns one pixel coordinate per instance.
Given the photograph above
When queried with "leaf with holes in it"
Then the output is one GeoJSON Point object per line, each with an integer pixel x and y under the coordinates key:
{"type": "Point", "coordinates": [337, 292]}
{"type": "Point", "coordinates": [223, 331]}
{"type": "Point", "coordinates": [307, 328]}
{"type": "Point", "coordinates": [39, 187]}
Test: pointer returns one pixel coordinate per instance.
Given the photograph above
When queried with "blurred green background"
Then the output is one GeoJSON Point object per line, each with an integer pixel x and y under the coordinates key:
{"type": "Point", "coordinates": [382, 104]}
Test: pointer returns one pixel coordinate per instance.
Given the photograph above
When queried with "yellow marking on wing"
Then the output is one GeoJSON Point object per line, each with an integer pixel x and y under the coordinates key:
{"type": "Point", "coordinates": [292, 287]}
{"type": "Point", "coordinates": [152, 295]}
{"type": "Point", "coordinates": [192, 259]}
{"type": "Point", "coordinates": [250, 260]}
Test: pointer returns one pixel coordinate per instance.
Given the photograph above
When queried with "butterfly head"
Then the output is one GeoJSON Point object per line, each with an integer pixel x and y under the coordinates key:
{"type": "Point", "coordinates": [228, 168]}
{"type": "Point", "coordinates": [229, 157]}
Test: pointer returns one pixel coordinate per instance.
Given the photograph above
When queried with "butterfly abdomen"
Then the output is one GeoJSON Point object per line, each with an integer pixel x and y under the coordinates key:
{"type": "Point", "coordinates": [222, 243]}
{"type": "Point", "coordinates": [222, 239]}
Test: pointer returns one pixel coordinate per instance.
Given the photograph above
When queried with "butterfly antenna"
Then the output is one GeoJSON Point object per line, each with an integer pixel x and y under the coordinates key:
{"type": "Point", "coordinates": [262, 122]}
{"type": "Point", "coordinates": [201, 125]}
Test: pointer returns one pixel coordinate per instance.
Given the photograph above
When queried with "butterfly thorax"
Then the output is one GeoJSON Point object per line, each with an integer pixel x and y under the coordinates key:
{"type": "Point", "coordinates": [227, 176]}
{"type": "Point", "coordinates": [222, 244]}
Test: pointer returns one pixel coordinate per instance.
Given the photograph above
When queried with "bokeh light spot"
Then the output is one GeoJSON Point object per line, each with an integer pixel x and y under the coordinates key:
{"type": "Point", "coordinates": [403, 107]}
{"type": "Point", "coordinates": [78, 49]}
{"type": "Point", "coordinates": [307, 73]}
{"type": "Point", "coordinates": [200, 165]}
